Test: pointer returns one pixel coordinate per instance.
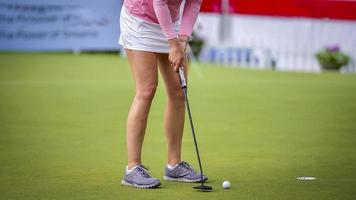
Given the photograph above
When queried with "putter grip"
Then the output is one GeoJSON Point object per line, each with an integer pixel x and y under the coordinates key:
{"type": "Point", "coordinates": [183, 83]}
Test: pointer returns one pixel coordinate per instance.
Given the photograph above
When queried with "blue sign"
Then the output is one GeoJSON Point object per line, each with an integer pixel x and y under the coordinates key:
{"type": "Point", "coordinates": [41, 25]}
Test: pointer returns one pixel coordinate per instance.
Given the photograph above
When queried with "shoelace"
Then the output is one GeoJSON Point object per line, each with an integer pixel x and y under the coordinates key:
{"type": "Point", "coordinates": [142, 169]}
{"type": "Point", "coordinates": [187, 166]}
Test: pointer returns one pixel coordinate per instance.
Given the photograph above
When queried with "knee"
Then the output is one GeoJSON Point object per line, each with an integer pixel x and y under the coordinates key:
{"type": "Point", "coordinates": [147, 93]}
{"type": "Point", "coordinates": [176, 95]}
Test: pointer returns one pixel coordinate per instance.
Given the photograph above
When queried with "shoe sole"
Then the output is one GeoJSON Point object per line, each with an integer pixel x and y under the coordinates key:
{"type": "Point", "coordinates": [155, 185]}
{"type": "Point", "coordinates": [167, 178]}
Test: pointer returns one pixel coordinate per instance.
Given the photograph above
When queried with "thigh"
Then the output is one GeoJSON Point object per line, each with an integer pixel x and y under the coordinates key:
{"type": "Point", "coordinates": [169, 76]}
{"type": "Point", "coordinates": [143, 68]}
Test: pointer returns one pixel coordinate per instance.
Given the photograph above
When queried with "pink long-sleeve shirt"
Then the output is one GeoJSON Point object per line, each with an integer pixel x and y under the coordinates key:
{"type": "Point", "coordinates": [165, 13]}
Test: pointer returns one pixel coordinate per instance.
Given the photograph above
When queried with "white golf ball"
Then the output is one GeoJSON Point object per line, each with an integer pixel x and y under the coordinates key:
{"type": "Point", "coordinates": [226, 184]}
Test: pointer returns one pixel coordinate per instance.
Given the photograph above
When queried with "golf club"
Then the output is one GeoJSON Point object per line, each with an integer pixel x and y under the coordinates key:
{"type": "Point", "coordinates": [183, 85]}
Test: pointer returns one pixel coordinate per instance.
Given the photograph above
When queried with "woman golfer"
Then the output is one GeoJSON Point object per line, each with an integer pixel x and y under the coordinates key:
{"type": "Point", "coordinates": [155, 39]}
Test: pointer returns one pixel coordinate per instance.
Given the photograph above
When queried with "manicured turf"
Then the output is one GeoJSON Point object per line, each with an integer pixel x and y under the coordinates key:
{"type": "Point", "coordinates": [62, 126]}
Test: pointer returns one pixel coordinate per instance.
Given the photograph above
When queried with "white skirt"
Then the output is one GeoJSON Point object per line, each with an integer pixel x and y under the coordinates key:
{"type": "Point", "coordinates": [137, 34]}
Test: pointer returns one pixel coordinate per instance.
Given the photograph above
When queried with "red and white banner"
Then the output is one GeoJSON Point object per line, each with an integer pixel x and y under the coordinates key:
{"type": "Point", "coordinates": [285, 34]}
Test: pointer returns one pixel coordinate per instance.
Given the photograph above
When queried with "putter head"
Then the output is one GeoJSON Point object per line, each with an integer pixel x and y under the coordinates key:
{"type": "Point", "coordinates": [203, 188]}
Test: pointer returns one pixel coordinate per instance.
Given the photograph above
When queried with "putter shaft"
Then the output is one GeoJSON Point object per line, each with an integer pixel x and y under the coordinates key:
{"type": "Point", "coordinates": [183, 84]}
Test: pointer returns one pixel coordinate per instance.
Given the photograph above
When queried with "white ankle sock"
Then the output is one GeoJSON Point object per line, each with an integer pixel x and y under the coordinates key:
{"type": "Point", "coordinates": [129, 170]}
{"type": "Point", "coordinates": [171, 167]}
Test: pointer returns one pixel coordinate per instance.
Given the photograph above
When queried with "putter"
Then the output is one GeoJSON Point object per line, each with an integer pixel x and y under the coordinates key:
{"type": "Point", "coordinates": [183, 85]}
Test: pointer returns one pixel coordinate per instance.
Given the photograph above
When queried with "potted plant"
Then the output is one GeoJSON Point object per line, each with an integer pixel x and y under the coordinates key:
{"type": "Point", "coordinates": [331, 58]}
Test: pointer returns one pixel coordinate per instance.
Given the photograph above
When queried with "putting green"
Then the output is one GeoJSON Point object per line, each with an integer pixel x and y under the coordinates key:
{"type": "Point", "coordinates": [62, 126]}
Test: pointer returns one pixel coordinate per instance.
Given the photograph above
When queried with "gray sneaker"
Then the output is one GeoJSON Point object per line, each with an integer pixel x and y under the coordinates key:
{"type": "Point", "coordinates": [183, 172]}
{"type": "Point", "coordinates": [140, 178]}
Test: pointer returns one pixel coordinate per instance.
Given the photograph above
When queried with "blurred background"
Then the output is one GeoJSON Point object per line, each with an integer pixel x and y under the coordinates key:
{"type": "Point", "coordinates": [293, 35]}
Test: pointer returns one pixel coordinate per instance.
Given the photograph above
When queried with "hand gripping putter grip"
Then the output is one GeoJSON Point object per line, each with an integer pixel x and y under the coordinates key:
{"type": "Point", "coordinates": [183, 85]}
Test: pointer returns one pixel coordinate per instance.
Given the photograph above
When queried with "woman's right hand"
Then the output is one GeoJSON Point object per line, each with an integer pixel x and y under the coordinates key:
{"type": "Point", "coordinates": [176, 54]}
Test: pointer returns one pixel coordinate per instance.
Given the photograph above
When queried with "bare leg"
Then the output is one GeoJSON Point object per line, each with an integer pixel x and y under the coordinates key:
{"type": "Point", "coordinates": [174, 114]}
{"type": "Point", "coordinates": [145, 74]}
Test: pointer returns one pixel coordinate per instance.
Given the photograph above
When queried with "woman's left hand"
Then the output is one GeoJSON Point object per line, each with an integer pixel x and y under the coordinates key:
{"type": "Point", "coordinates": [177, 52]}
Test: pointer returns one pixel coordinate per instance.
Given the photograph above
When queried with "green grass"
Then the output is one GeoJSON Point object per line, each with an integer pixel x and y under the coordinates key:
{"type": "Point", "coordinates": [62, 131]}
